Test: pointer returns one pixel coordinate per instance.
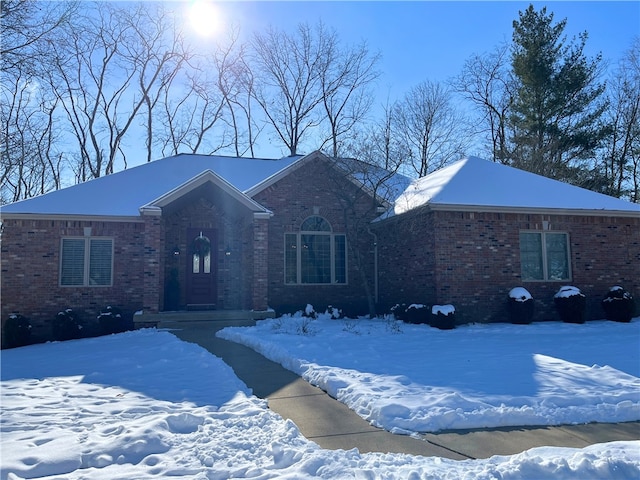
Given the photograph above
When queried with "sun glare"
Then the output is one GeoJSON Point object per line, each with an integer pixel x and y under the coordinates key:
{"type": "Point", "coordinates": [204, 17]}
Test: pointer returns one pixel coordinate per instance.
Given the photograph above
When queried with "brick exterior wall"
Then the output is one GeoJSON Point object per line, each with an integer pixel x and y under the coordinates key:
{"type": "Point", "coordinates": [153, 262]}
{"type": "Point", "coordinates": [315, 189]}
{"type": "Point", "coordinates": [406, 261]}
{"type": "Point", "coordinates": [30, 262]}
{"type": "Point", "coordinates": [472, 260]}
{"type": "Point", "coordinates": [260, 289]}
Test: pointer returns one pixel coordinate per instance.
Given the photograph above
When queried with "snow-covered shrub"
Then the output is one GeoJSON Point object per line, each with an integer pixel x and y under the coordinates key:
{"type": "Point", "coordinates": [399, 310]}
{"type": "Point", "coordinates": [66, 326]}
{"type": "Point", "coordinates": [392, 325]}
{"type": "Point", "coordinates": [417, 313]}
{"type": "Point", "coordinates": [570, 304]}
{"type": "Point", "coordinates": [443, 317]}
{"type": "Point", "coordinates": [111, 321]}
{"type": "Point", "coordinates": [520, 306]}
{"type": "Point", "coordinates": [16, 331]}
{"type": "Point", "coordinates": [305, 326]}
{"type": "Point", "coordinates": [350, 325]}
{"type": "Point", "coordinates": [334, 312]}
{"type": "Point", "coordinates": [309, 311]}
{"type": "Point", "coordinates": [618, 305]}
{"type": "Point", "coordinates": [299, 323]}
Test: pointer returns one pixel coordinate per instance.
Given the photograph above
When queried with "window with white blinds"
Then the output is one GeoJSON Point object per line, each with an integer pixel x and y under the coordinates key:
{"type": "Point", "coordinates": [86, 262]}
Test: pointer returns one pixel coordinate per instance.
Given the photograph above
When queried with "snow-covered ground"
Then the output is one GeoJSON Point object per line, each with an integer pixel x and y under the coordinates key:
{"type": "Point", "coordinates": [144, 405]}
{"type": "Point", "coordinates": [414, 378]}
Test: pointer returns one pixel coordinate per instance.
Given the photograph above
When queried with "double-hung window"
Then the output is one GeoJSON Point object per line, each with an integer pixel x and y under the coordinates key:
{"type": "Point", "coordinates": [315, 255]}
{"type": "Point", "coordinates": [86, 261]}
{"type": "Point", "coordinates": [545, 256]}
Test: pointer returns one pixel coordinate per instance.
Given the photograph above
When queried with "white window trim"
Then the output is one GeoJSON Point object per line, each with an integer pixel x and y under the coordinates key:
{"type": "Point", "coordinates": [87, 266]}
{"type": "Point", "coordinates": [545, 267]}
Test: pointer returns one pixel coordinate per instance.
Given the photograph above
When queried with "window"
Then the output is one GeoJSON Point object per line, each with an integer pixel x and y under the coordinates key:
{"type": "Point", "coordinates": [201, 257]}
{"type": "Point", "coordinates": [86, 262]}
{"type": "Point", "coordinates": [315, 255]}
{"type": "Point", "coordinates": [544, 256]}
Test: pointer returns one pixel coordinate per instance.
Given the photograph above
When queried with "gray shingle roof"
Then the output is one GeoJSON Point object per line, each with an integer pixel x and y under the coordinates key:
{"type": "Point", "coordinates": [475, 182]}
{"type": "Point", "coordinates": [123, 193]}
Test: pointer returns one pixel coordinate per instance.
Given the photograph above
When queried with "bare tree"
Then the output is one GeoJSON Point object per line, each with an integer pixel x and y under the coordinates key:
{"type": "Point", "coordinates": [289, 87]}
{"type": "Point", "coordinates": [485, 80]}
{"type": "Point", "coordinates": [622, 156]}
{"type": "Point", "coordinates": [26, 27]}
{"type": "Point", "coordinates": [157, 52]}
{"type": "Point", "coordinates": [364, 191]}
{"type": "Point", "coordinates": [365, 188]}
{"type": "Point", "coordinates": [346, 98]}
{"type": "Point", "coordinates": [210, 109]}
{"type": "Point", "coordinates": [434, 132]}
{"type": "Point", "coordinates": [105, 73]}
{"type": "Point", "coordinates": [192, 118]}
{"type": "Point", "coordinates": [377, 143]}
{"type": "Point", "coordinates": [29, 161]}
{"type": "Point", "coordinates": [235, 83]}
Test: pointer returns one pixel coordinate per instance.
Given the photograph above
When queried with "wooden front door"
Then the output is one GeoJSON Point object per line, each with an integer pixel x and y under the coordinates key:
{"type": "Point", "coordinates": [201, 268]}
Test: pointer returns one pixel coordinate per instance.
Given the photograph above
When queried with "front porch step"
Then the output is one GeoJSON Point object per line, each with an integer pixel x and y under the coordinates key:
{"type": "Point", "coordinates": [154, 319]}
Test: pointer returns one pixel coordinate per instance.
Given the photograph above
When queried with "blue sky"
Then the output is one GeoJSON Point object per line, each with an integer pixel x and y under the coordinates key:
{"type": "Point", "coordinates": [422, 40]}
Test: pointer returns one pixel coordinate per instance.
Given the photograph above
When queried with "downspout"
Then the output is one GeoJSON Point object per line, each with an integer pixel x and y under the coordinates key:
{"type": "Point", "coordinates": [375, 265]}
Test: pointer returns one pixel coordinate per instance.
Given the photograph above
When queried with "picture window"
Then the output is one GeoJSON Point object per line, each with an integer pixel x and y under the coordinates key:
{"type": "Point", "coordinates": [315, 255]}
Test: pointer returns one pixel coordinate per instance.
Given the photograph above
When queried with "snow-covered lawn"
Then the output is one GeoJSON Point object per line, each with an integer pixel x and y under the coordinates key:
{"type": "Point", "coordinates": [144, 405]}
{"type": "Point", "coordinates": [414, 378]}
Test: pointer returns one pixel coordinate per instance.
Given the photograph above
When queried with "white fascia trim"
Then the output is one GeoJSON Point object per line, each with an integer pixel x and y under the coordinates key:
{"type": "Point", "coordinates": [70, 217]}
{"type": "Point", "coordinates": [390, 215]}
{"type": "Point", "coordinates": [151, 211]}
{"type": "Point", "coordinates": [533, 210]}
{"type": "Point", "coordinates": [262, 215]}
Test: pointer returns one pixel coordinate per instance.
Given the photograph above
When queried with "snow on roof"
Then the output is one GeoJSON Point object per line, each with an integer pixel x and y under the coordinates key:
{"type": "Point", "coordinates": [123, 193]}
{"type": "Point", "coordinates": [474, 182]}
{"type": "Point", "coordinates": [376, 180]}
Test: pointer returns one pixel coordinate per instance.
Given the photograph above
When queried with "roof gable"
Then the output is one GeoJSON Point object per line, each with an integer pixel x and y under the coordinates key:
{"type": "Point", "coordinates": [477, 183]}
{"type": "Point", "coordinates": [199, 180]}
{"type": "Point", "coordinates": [365, 176]}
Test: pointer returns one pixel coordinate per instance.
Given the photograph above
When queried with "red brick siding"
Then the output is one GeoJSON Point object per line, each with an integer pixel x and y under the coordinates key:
{"type": "Point", "coordinates": [406, 261]}
{"type": "Point", "coordinates": [475, 260]}
{"type": "Point", "coordinates": [154, 262]}
{"type": "Point", "coordinates": [260, 264]}
{"type": "Point", "coordinates": [292, 199]}
{"type": "Point", "coordinates": [30, 269]}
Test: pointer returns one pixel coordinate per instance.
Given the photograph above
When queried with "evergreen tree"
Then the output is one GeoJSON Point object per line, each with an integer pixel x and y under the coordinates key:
{"type": "Point", "coordinates": [557, 105]}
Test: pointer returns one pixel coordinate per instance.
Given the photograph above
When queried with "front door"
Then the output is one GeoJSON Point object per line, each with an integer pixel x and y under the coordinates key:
{"type": "Point", "coordinates": [201, 268]}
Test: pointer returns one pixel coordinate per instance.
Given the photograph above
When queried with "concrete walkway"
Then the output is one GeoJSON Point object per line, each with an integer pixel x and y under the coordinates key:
{"type": "Point", "coordinates": [332, 425]}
